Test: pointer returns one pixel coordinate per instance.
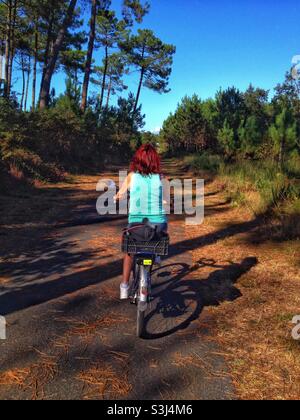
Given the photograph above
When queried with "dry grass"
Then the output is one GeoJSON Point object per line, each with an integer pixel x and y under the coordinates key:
{"type": "Point", "coordinates": [32, 379]}
{"type": "Point", "coordinates": [254, 330]}
{"type": "Point", "coordinates": [196, 361]}
{"type": "Point", "coordinates": [101, 381]}
{"type": "Point", "coordinates": [86, 331]}
{"type": "Point", "coordinates": [14, 377]}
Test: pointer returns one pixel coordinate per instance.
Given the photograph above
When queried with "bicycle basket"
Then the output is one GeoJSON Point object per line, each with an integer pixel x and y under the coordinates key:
{"type": "Point", "coordinates": [159, 247]}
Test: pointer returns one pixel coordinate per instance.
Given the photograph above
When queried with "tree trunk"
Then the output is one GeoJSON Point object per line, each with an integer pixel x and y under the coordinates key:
{"type": "Point", "coordinates": [108, 93]}
{"type": "Point", "coordinates": [104, 79]}
{"type": "Point", "coordinates": [27, 82]}
{"type": "Point", "coordinates": [8, 47]}
{"type": "Point", "coordinates": [46, 83]}
{"type": "Point", "coordinates": [139, 90]}
{"type": "Point", "coordinates": [23, 82]}
{"type": "Point", "coordinates": [140, 84]}
{"type": "Point", "coordinates": [36, 51]}
{"type": "Point", "coordinates": [281, 153]}
{"type": "Point", "coordinates": [47, 50]}
{"type": "Point", "coordinates": [12, 46]}
{"type": "Point", "coordinates": [89, 58]}
{"type": "Point", "coordinates": [1, 66]}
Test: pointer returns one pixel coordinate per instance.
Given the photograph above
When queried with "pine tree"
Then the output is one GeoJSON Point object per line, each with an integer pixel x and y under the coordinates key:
{"type": "Point", "coordinates": [152, 58]}
{"type": "Point", "coordinates": [284, 134]}
{"type": "Point", "coordinates": [52, 57]}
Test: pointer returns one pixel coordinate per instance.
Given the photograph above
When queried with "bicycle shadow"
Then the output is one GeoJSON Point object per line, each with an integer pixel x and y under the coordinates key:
{"type": "Point", "coordinates": [179, 301]}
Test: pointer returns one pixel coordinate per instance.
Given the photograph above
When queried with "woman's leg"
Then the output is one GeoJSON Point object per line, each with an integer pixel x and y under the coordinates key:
{"type": "Point", "coordinates": [127, 268]}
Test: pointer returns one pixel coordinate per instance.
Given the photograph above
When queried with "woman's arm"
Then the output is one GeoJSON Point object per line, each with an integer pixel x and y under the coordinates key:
{"type": "Point", "coordinates": [165, 197]}
{"type": "Point", "coordinates": [124, 188]}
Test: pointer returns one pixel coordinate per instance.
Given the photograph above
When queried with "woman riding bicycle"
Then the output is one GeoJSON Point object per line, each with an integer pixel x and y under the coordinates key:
{"type": "Point", "coordinates": [145, 184]}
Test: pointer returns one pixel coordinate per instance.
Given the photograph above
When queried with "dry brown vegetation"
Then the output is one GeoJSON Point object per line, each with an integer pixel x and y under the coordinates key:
{"type": "Point", "coordinates": [255, 329]}
{"type": "Point", "coordinates": [33, 378]}
{"type": "Point", "coordinates": [102, 381]}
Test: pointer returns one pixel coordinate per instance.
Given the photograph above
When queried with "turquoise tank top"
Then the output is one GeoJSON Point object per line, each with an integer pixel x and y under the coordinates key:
{"type": "Point", "coordinates": [146, 199]}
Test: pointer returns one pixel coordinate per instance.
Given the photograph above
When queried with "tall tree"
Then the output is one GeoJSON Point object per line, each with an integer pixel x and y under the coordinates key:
{"type": "Point", "coordinates": [32, 11]}
{"type": "Point", "coordinates": [8, 46]}
{"type": "Point", "coordinates": [131, 10]}
{"type": "Point", "coordinates": [231, 110]}
{"type": "Point", "coordinates": [56, 48]}
{"type": "Point", "coordinates": [226, 138]}
{"type": "Point", "coordinates": [115, 72]}
{"type": "Point", "coordinates": [152, 58]}
{"type": "Point", "coordinates": [284, 134]}
{"type": "Point", "coordinates": [15, 6]}
{"type": "Point", "coordinates": [2, 43]}
{"type": "Point", "coordinates": [110, 32]}
{"type": "Point", "coordinates": [89, 57]}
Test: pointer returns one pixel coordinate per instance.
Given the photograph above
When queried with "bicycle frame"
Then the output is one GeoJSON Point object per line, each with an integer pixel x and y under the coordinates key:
{"type": "Point", "coordinates": [143, 264]}
{"type": "Point", "coordinates": [141, 288]}
{"type": "Point", "coordinates": [144, 253]}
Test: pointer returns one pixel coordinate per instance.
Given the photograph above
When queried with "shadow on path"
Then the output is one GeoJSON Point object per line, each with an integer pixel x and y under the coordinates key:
{"type": "Point", "coordinates": [176, 296]}
{"type": "Point", "coordinates": [30, 295]}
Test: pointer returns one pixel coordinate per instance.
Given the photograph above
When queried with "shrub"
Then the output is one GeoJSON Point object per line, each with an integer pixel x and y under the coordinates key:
{"type": "Point", "coordinates": [205, 162]}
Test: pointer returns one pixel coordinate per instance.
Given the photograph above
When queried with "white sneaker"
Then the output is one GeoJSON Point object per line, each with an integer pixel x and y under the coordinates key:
{"type": "Point", "coordinates": [124, 291]}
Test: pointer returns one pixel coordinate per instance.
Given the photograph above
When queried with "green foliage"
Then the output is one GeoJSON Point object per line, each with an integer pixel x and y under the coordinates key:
{"type": "Point", "coordinates": [191, 127]}
{"type": "Point", "coordinates": [238, 124]}
{"type": "Point", "coordinates": [226, 139]}
{"type": "Point", "coordinates": [73, 132]}
{"type": "Point", "coordinates": [44, 145]}
{"type": "Point", "coordinates": [149, 138]}
{"type": "Point", "coordinates": [284, 134]}
{"type": "Point", "coordinates": [70, 100]}
{"type": "Point", "coordinates": [134, 9]}
{"type": "Point", "coordinates": [205, 162]}
{"type": "Point", "coordinates": [152, 58]}
{"type": "Point", "coordinates": [273, 186]}
{"type": "Point", "coordinates": [250, 137]}
{"type": "Point", "coordinates": [231, 108]}
{"type": "Point", "coordinates": [261, 186]}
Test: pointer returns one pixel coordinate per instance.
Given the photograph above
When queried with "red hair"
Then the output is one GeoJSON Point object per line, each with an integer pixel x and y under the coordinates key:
{"type": "Point", "coordinates": [146, 161]}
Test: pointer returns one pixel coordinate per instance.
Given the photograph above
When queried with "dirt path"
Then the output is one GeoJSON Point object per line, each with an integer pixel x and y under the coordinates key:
{"type": "Point", "coordinates": [69, 337]}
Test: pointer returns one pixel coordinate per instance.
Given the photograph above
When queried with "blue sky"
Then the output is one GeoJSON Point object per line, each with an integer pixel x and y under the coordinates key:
{"type": "Point", "coordinates": [219, 43]}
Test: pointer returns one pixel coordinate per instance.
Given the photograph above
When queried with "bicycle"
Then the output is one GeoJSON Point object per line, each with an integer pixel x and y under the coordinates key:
{"type": "Point", "coordinates": [145, 254]}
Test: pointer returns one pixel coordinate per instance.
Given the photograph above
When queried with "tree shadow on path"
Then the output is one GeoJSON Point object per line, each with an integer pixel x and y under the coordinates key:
{"type": "Point", "coordinates": [31, 295]}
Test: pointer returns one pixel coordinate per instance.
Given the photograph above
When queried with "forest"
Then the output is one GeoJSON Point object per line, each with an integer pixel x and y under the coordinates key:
{"type": "Point", "coordinates": [250, 137]}
{"type": "Point", "coordinates": [44, 134]}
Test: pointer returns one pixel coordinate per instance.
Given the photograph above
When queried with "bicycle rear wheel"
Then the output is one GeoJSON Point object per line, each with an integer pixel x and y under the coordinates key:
{"type": "Point", "coordinates": [140, 323]}
{"type": "Point", "coordinates": [142, 304]}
